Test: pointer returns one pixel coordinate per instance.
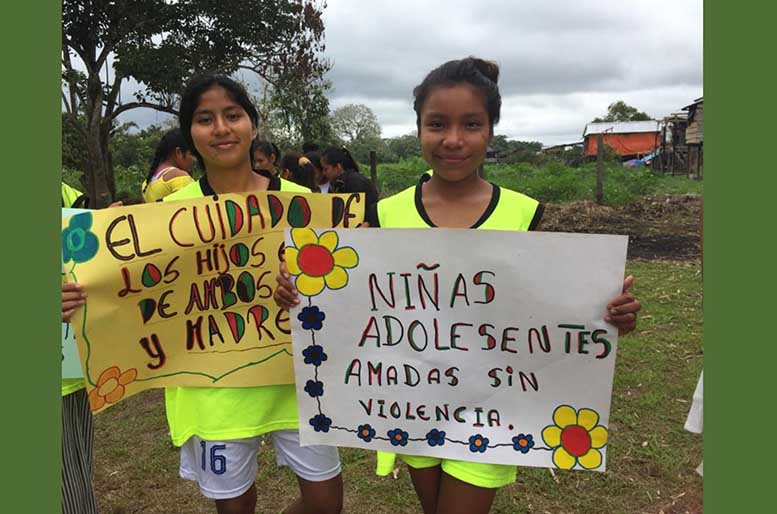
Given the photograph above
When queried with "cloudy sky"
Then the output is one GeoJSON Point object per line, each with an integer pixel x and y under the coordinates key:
{"type": "Point", "coordinates": [562, 62]}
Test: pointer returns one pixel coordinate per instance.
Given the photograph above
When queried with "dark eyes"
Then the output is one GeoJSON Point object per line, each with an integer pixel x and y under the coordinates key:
{"type": "Point", "coordinates": [206, 119]}
{"type": "Point", "coordinates": [439, 125]}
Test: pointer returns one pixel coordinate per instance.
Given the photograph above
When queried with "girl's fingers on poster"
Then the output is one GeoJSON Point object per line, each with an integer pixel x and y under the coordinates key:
{"type": "Point", "coordinates": [628, 282]}
{"type": "Point", "coordinates": [285, 295]}
{"type": "Point", "coordinates": [622, 310]}
{"type": "Point", "coordinates": [72, 286]}
{"type": "Point", "coordinates": [284, 300]}
{"type": "Point", "coordinates": [73, 296]}
{"type": "Point", "coordinates": [623, 304]}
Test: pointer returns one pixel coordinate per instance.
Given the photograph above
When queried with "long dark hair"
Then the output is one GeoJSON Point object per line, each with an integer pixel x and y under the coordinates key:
{"type": "Point", "coordinates": [190, 99]}
{"type": "Point", "coordinates": [171, 140]}
{"type": "Point", "coordinates": [267, 148]}
{"type": "Point", "coordinates": [477, 72]}
{"type": "Point", "coordinates": [315, 158]}
{"type": "Point", "coordinates": [341, 156]}
{"type": "Point", "coordinates": [302, 174]}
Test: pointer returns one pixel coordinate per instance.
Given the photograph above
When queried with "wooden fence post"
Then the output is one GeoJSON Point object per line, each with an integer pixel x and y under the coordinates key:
{"type": "Point", "coordinates": [600, 168]}
{"type": "Point", "coordinates": [374, 169]}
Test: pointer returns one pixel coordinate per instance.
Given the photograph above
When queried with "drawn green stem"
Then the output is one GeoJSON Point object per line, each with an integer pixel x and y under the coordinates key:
{"type": "Point", "coordinates": [83, 332]}
{"type": "Point", "coordinates": [216, 379]}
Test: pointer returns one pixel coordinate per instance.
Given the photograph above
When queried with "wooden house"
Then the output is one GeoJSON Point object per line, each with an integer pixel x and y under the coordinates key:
{"type": "Point", "coordinates": [694, 137]}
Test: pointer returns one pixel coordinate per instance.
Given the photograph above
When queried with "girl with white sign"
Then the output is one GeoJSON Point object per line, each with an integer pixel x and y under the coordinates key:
{"type": "Point", "coordinates": [457, 106]}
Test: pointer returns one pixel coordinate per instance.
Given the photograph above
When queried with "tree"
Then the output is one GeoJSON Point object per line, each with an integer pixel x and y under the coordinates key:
{"type": "Point", "coordinates": [511, 151]}
{"type": "Point", "coordinates": [161, 44]}
{"type": "Point", "coordinates": [621, 111]}
{"type": "Point", "coordinates": [357, 127]}
{"type": "Point", "coordinates": [404, 147]}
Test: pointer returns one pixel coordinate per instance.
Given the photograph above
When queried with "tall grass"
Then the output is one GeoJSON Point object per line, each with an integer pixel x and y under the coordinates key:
{"type": "Point", "coordinates": [553, 182]}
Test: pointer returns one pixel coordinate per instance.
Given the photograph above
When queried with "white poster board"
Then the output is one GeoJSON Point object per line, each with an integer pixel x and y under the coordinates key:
{"type": "Point", "coordinates": [486, 346]}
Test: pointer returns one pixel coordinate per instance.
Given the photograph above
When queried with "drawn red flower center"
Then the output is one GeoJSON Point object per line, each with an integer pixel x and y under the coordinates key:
{"type": "Point", "coordinates": [576, 440]}
{"type": "Point", "coordinates": [523, 442]}
{"type": "Point", "coordinates": [398, 437]}
{"type": "Point", "coordinates": [478, 442]}
{"type": "Point", "coordinates": [315, 260]}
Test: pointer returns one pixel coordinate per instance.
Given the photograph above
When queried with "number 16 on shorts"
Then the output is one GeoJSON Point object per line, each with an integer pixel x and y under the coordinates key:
{"type": "Point", "coordinates": [212, 458]}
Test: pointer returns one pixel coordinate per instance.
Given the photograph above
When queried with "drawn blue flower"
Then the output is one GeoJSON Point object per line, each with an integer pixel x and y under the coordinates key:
{"type": "Point", "coordinates": [478, 443]}
{"type": "Point", "coordinates": [79, 244]}
{"type": "Point", "coordinates": [314, 354]}
{"type": "Point", "coordinates": [320, 423]}
{"type": "Point", "coordinates": [365, 433]}
{"type": "Point", "coordinates": [311, 318]}
{"type": "Point", "coordinates": [523, 443]}
{"type": "Point", "coordinates": [314, 388]}
{"type": "Point", "coordinates": [435, 437]}
{"type": "Point", "coordinates": [398, 437]}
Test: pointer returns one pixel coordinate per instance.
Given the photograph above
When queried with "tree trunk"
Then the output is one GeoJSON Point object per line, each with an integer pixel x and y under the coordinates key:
{"type": "Point", "coordinates": [99, 176]}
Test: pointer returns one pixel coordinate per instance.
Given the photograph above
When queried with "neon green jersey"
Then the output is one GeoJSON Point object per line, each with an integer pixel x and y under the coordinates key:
{"type": "Point", "coordinates": [224, 413]}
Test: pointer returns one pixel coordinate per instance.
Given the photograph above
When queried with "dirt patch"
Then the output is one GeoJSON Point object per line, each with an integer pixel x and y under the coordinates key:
{"type": "Point", "coordinates": [665, 227]}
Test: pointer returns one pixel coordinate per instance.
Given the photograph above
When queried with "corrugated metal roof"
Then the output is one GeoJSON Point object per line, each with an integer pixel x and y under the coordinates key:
{"type": "Point", "coordinates": [621, 127]}
{"type": "Point", "coordinates": [698, 101]}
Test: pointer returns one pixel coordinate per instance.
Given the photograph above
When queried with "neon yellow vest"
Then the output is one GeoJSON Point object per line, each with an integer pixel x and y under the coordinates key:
{"type": "Point", "coordinates": [70, 196]}
{"type": "Point", "coordinates": [509, 210]}
{"type": "Point", "coordinates": [224, 413]}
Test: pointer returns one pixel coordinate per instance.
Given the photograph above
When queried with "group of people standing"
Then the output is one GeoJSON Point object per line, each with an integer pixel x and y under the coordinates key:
{"type": "Point", "coordinates": [333, 170]}
{"type": "Point", "coordinates": [218, 429]}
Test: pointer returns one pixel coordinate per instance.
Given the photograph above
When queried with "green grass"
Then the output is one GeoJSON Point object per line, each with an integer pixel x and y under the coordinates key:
{"type": "Point", "coordinates": [650, 460]}
{"type": "Point", "coordinates": [554, 182]}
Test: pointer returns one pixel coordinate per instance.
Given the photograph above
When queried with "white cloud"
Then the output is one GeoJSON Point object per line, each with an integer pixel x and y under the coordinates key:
{"type": "Point", "coordinates": [561, 62]}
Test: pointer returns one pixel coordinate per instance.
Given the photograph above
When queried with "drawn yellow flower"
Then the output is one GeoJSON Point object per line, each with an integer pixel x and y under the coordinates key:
{"type": "Point", "coordinates": [317, 262]}
{"type": "Point", "coordinates": [576, 438]}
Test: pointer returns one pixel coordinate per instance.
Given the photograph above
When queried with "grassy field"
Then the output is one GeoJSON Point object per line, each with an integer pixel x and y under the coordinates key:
{"type": "Point", "coordinates": [651, 459]}
{"type": "Point", "coordinates": [553, 182]}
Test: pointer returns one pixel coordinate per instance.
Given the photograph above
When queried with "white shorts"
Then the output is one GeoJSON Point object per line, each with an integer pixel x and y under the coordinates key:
{"type": "Point", "coordinates": [226, 469]}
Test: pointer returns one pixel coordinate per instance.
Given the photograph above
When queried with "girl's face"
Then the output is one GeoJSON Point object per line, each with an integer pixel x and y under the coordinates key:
{"type": "Point", "coordinates": [454, 131]}
{"type": "Point", "coordinates": [262, 161]}
{"type": "Point", "coordinates": [222, 130]}
{"type": "Point", "coordinates": [184, 160]}
{"type": "Point", "coordinates": [331, 171]}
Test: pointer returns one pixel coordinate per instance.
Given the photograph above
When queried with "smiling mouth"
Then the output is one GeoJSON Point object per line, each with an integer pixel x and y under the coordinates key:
{"type": "Point", "coordinates": [225, 144]}
{"type": "Point", "coordinates": [449, 158]}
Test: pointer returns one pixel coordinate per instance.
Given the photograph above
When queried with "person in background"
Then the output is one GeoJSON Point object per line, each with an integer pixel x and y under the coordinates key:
{"type": "Point", "coordinates": [266, 156]}
{"type": "Point", "coordinates": [298, 169]}
{"type": "Point", "coordinates": [77, 428]}
{"type": "Point", "coordinates": [342, 173]}
{"type": "Point", "coordinates": [170, 169]}
{"type": "Point", "coordinates": [314, 158]}
{"type": "Point", "coordinates": [73, 198]}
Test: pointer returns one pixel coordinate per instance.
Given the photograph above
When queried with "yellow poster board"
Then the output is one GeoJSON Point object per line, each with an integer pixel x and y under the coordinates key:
{"type": "Point", "coordinates": [180, 293]}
